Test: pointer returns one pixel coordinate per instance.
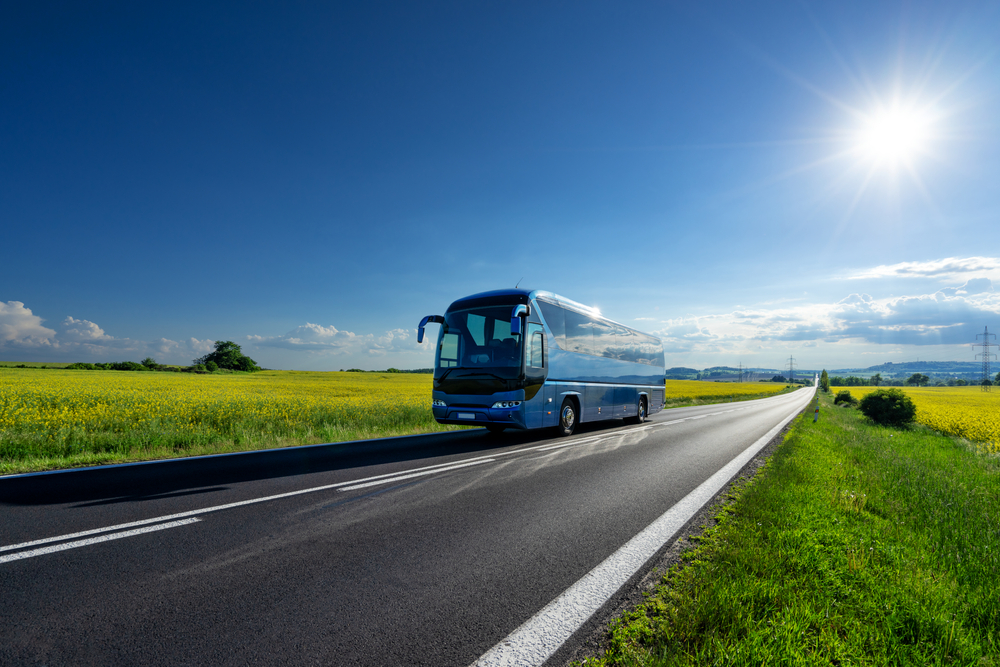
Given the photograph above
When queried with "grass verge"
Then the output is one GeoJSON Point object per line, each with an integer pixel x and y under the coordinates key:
{"type": "Point", "coordinates": [855, 545]}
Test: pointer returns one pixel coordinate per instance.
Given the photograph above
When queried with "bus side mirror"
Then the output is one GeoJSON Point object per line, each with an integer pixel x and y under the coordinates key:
{"type": "Point", "coordinates": [430, 318]}
{"type": "Point", "coordinates": [519, 311]}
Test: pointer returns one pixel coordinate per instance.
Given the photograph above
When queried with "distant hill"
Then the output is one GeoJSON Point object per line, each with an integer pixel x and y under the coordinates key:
{"type": "Point", "coordinates": [961, 369]}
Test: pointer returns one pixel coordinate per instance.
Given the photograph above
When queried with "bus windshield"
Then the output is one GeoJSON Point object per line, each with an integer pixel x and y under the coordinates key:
{"type": "Point", "coordinates": [479, 338]}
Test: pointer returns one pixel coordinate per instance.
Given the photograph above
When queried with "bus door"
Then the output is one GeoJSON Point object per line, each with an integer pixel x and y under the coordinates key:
{"type": "Point", "coordinates": [536, 393]}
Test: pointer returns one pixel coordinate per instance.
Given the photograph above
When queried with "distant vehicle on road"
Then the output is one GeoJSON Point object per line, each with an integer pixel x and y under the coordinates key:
{"type": "Point", "coordinates": [533, 359]}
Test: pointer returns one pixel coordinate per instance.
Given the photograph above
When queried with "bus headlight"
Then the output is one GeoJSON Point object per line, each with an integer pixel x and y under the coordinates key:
{"type": "Point", "coordinates": [438, 403]}
{"type": "Point", "coordinates": [506, 404]}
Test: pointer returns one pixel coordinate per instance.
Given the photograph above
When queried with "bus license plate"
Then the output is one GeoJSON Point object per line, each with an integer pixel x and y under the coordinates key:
{"type": "Point", "coordinates": [466, 415]}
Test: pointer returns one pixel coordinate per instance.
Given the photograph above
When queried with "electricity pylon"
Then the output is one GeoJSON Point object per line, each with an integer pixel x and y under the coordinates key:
{"type": "Point", "coordinates": [985, 383]}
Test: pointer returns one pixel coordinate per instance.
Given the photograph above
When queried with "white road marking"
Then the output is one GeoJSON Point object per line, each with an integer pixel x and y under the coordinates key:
{"type": "Point", "coordinates": [538, 638]}
{"type": "Point", "coordinates": [94, 540]}
{"type": "Point", "coordinates": [398, 478]}
{"type": "Point", "coordinates": [217, 508]}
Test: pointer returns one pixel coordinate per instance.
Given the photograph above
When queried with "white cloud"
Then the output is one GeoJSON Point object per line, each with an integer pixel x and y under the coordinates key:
{"type": "Point", "coordinates": [944, 269]}
{"type": "Point", "coordinates": [310, 337]}
{"type": "Point", "coordinates": [83, 331]}
{"type": "Point", "coordinates": [19, 327]}
{"type": "Point", "coordinates": [330, 341]}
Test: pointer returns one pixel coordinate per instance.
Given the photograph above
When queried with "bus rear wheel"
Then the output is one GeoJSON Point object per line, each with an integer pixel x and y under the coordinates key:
{"type": "Point", "coordinates": [567, 417]}
{"type": "Point", "coordinates": [640, 413]}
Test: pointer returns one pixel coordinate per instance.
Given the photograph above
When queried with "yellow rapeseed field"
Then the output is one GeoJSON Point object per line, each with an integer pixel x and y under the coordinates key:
{"type": "Point", "coordinates": [696, 390]}
{"type": "Point", "coordinates": [968, 412]}
{"type": "Point", "coordinates": [115, 415]}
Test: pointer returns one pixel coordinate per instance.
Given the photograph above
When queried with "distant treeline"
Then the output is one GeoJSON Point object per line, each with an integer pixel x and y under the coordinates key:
{"type": "Point", "coordinates": [227, 357]}
{"type": "Point", "coordinates": [389, 370]}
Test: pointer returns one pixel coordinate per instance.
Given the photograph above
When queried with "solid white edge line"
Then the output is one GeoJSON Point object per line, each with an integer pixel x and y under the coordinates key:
{"type": "Point", "coordinates": [94, 540]}
{"type": "Point", "coordinates": [538, 638]}
{"type": "Point", "coordinates": [415, 474]}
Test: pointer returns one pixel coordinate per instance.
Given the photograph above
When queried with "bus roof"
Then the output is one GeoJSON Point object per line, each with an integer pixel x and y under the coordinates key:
{"type": "Point", "coordinates": [514, 296]}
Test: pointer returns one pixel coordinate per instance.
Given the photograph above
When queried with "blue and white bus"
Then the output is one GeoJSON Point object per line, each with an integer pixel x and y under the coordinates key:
{"type": "Point", "coordinates": [532, 359]}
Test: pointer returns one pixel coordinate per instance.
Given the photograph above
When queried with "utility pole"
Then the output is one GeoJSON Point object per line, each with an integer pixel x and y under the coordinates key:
{"type": "Point", "coordinates": [791, 368]}
{"type": "Point", "coordinates": [985, 383]}
{"type": "Point", "coordinates": [741, 371]}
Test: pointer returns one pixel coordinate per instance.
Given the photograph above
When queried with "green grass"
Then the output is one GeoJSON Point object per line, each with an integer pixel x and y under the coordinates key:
{"type": "Point", "coordinates": [856, 545]}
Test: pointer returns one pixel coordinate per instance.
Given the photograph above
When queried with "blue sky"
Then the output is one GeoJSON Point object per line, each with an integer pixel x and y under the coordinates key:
{"type": "Point", "coordinates": [747, 180]}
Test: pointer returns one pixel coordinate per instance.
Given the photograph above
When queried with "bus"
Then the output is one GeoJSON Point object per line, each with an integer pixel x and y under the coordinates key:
{"type": "Point", "coordinates": [519, 359]}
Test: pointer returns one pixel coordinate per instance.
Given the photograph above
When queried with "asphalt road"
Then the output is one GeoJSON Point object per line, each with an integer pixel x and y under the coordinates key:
{"type": "Point", "coordinates": [425, 550]}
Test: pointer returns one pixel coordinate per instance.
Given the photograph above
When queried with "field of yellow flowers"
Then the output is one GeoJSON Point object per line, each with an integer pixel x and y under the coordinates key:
{"type": "Point", "coordinates": [62, 418]}
{"type": "Point", "coordinates": [968, 412]}
{"type": "Point", "coordinates": [695, 391]}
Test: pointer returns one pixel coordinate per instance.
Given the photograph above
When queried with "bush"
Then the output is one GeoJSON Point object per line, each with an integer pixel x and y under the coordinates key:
{"type": "Point", "coordinates": [845, 397]}
{"type": "Point", "coordinates": [211, 366]}
{"type": "Point", "coordinates": [82, 366]}
{"type": "Point", "coordinates": [888, 407]}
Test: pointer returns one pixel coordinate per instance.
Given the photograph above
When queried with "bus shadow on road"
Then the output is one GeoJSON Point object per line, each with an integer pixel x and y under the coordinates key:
{"type": "Point", "coordinates": [153, 480]}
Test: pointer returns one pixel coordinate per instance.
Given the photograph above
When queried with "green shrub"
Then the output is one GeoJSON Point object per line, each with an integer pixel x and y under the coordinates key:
{"type": "Point", "coordinates": [888, 407]}
{"type": "Point", "coordinates": [124, 366]}
{"type": "Point", "coordinates": [211, 366]}
{"type": "Point", "coordinates": [82, 366]}
{"type": "Point", "coordinates": [845, 397]}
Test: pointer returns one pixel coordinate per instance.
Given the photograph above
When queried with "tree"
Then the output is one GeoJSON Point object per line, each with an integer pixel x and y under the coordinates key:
{"type": "Point", "coordinates": [228, 355]}
{"type": "Point", "coordinates": [824, 381]}
{"type": "Point", "coordinates": [918, 379]}
{"type": "Point", "coordinates": [875, 380]}
{"type": "Point", "coordinates": [150, 363]}
{"type": "Point", "coordinates": [996, 380]}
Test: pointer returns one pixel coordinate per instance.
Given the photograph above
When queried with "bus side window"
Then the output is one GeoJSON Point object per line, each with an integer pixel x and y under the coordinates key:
{"type": "Point", "coordinates": [555, 317]}
{"type": "Point", "coordinates": [579, 333]}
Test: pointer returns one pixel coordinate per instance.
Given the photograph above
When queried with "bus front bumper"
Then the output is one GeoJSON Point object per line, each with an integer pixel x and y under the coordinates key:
{"type": "Point", "coordinates": [511, 417]}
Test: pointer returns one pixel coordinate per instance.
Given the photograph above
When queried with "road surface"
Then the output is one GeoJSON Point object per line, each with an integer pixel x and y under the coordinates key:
{"type": "Point", "coordinates": [424, 550]}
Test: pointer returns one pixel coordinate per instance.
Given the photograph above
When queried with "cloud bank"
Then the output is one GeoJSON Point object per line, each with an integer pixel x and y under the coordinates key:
{"type": "Point", "coordinates": [937, 324]}
{"type": "Point", "coordinates": [857, 323]}
{"type": "Point", "coordinates": [24, 338]}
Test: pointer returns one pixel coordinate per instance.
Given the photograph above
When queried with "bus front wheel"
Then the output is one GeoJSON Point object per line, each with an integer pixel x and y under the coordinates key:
{"type": "Point", "coordinates": [567, 417]}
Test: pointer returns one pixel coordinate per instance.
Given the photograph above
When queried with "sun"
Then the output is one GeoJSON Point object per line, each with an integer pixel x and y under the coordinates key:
{"type": "Point", "coordinates": [894, 135]}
